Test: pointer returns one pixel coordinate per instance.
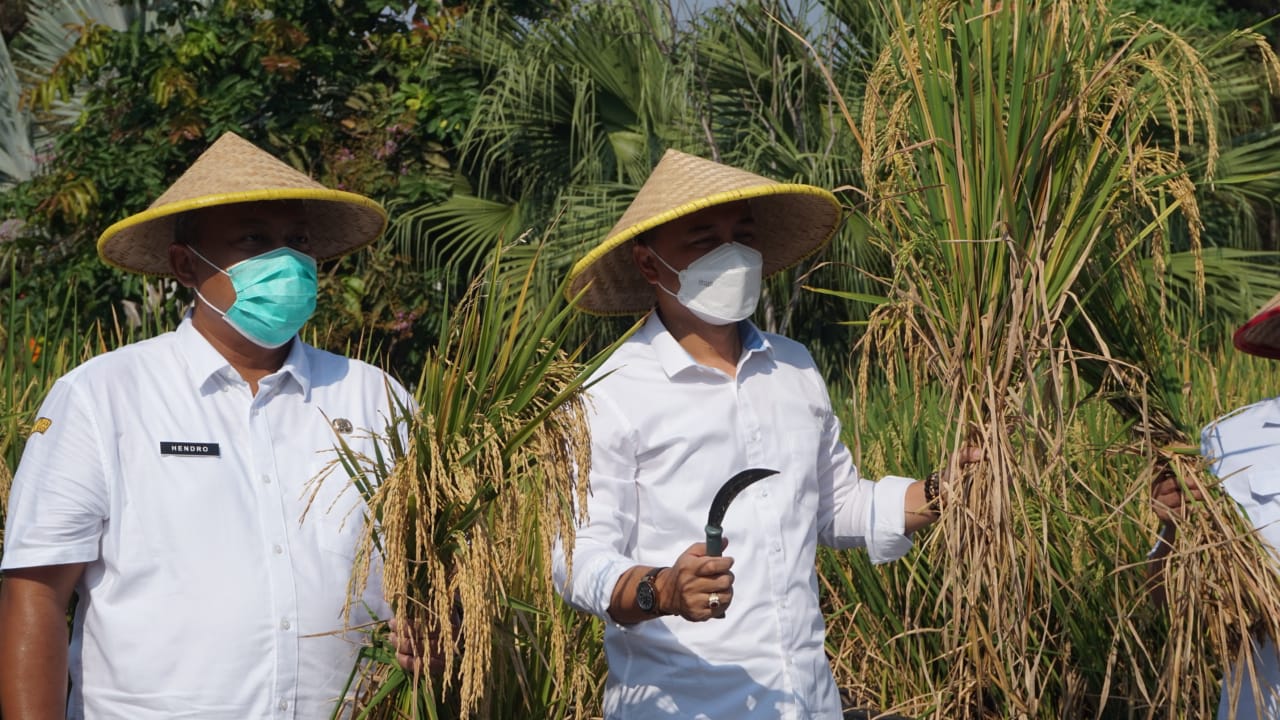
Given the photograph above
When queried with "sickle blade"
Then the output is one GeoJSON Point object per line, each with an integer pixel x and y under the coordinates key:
{"type": "Point", "coordinates": [720, 505]}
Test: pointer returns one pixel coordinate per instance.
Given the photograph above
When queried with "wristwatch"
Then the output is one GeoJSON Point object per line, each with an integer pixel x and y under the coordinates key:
{"type": "Point", "coordinates": [647, 592]}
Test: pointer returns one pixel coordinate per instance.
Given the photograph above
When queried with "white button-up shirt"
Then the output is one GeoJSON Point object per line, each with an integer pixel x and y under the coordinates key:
{"type": "Point", "coordinates": [666, 434]}
{"type": "Point", "coordinates": [1244, 450]}
{"type": "Point", "coordinates": [207, 592]}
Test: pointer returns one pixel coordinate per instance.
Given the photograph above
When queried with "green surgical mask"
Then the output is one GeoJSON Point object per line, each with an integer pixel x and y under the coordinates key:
{"type": "Point", "coordinates": [275, 295]}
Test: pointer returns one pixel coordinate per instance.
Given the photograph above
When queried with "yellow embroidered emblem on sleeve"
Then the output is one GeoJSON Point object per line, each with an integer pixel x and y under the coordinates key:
{"type": "Point", "coordinates": [41, 425]}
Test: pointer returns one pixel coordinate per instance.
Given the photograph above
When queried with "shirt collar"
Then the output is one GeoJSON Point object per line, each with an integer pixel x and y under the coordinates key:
{"type": "Point", "coordinates": [1271, 412]}
{"type": "Point", "coordinates": [207, 364]}
{"type": "Point", "coordinates": [298, 365]}
{"type": "Point", "coordinates": [675, 359]}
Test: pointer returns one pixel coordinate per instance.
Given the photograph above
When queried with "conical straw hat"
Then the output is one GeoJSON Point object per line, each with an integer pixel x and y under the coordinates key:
{"type": "Point", "coordinates": [233, 170]}
{"type": "Point", "coordinates": [792, 222]}
{"type": "Point", "coordinates": [1261, 335]}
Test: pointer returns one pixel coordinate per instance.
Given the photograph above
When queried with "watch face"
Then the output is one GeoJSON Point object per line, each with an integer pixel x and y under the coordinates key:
{"type": "Point", "coordinates": [644, 595]}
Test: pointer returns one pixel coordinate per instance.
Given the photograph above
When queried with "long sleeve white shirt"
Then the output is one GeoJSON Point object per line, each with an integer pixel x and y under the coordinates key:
{"type": "Point", "coordinates": [666, 434]}
{"type": "Point", "coordinates": [1243, 449]}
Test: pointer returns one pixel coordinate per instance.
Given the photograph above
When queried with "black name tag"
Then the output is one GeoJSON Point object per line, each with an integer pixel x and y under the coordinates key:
{"type": "Point", "coordinates": [190, 449]}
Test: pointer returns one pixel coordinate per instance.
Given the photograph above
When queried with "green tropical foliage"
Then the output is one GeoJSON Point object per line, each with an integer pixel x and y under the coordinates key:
{"type": "Point", "coordinates": [50, 30]}
{"type": "Point", "coordinates": [351, 94]}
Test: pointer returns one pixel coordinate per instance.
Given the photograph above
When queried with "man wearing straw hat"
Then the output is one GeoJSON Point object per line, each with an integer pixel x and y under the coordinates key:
{"type": "Point", "coordinates": [1243, 449]}
{"type": "Point", "coordinates": [697, 394]}
{"type": "Point", "coordinates": [173, 485]}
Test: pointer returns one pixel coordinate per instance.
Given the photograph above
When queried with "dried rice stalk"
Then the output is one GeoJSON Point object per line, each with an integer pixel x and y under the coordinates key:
{"type": "Point", "coordinates": [469, 506]}
{"type": "Point", "coordinates": [1023, 163]}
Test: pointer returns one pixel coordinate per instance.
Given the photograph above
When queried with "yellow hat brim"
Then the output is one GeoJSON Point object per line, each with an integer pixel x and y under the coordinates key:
{"type": "Point", "coordinates": [139, 243]}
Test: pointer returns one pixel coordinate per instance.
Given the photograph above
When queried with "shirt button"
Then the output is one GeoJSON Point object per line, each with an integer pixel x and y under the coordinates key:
{"type": "Point", "coordinates": [266, 479]}
{"type": "Point", "coordinates": [284, 705]}
{"type": "Point", "coordinates": [278, 549]}
{"type": "Point", "coordinates": [777, 547]}
{"type": "Point", "coordinates": [285, 624]}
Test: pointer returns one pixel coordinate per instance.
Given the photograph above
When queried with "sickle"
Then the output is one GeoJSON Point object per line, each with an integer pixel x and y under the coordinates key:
{"type": "Point", "coordinates": [726, 494]}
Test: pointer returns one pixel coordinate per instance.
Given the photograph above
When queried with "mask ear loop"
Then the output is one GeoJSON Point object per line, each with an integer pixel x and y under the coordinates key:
{"type": "Point", "coordinates": [668, 265]}
{"type": "Point", "coordinates": [205, 300]}
{"type": "Point", "coordinates": [207, 260]}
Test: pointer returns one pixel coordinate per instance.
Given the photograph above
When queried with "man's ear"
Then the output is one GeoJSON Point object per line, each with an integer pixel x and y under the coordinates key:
{"type": "Point", "coordinates": [645, 263]}
{"type": "Point", "coordinates": [181, 264]}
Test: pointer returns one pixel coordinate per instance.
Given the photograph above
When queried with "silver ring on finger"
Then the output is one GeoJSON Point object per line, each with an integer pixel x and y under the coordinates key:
{"type": "Point", "coordinates": [713, 601]}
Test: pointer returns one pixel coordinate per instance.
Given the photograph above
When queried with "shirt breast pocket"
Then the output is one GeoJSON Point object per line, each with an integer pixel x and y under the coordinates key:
{"type": "Point", "coordinates": [1261, 502]}
{"type": "Point", "coordinates": [1257, 492]}
{"type": "Point", "coordinates": [1264, 485]}
{"type": "Point", "coordinates": [801, 450]}
{"type": "Point", "coordinates": [171, 499]}
{"type": "Point", "coordinates": [333, 512]}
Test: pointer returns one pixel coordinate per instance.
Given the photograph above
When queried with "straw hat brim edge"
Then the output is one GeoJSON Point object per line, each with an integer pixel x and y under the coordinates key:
{"type": "Point", "coordinates": [216, 199]}
{"type": "Point", "coordinates": [573, 288]}
{"type": "Point", "coordinates": [1245, 345]}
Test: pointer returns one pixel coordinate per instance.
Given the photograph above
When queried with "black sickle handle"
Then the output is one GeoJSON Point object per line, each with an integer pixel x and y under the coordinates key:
{"type": "Point", "coordinates": [726, 494]}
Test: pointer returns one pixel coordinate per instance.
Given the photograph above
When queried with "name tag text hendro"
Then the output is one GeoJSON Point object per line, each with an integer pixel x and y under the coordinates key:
{"type": "Point", "coordinates": [190, 449]}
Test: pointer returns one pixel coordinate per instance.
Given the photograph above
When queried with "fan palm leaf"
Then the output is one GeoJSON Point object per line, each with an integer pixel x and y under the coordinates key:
{"type": "Point", "coordinates": [17, 156]}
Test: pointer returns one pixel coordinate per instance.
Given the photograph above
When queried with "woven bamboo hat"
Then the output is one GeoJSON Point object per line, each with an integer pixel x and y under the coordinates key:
{"type": "Point", "coordinates": [233, 170]}
{"type": "Point", "coordinates": [792, 222]}
{"type": "Point", "coordinates": [1261, 335]}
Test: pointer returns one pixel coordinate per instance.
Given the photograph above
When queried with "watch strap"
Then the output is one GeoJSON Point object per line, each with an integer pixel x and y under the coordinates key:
{"type": "Point", "coordinates": [649, 579]}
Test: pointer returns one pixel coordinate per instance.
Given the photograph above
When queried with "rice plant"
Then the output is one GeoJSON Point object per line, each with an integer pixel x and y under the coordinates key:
{"type": "Point", "coordinates": [1025, 166]}
{"type": "Point", "coordinates": [468, 504]}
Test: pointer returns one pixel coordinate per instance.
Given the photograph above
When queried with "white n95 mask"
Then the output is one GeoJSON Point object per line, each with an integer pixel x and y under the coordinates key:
{"type": "Point", "coordinates": [721, 287]}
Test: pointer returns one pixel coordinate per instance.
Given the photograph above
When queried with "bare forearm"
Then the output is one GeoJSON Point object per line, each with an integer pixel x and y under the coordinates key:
{"type": "Point", "coordinates": [33, 666]}
{"type": "Point", "coordinates": [918, 512]}
{"type": "Point", "coordinates": [33, 645]}
{"type": "Point", "coordinates": [1157, 561]}
{"type": "Point", "coordinates": [622, 604]}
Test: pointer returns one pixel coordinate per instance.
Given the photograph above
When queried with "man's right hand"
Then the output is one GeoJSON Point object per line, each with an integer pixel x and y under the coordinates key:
{"type": "Point", "coordinates": [697, 588]}
{"type": "Point", "coordinates": [1167, 499]}
{"type": "Point", "coordinates": [1169, 502]}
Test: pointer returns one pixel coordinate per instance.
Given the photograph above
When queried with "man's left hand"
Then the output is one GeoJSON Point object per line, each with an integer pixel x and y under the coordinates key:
{"type": "Point", "coordinates": [413, 649]}
{"type": "Point", "coordinates": [965, 456]}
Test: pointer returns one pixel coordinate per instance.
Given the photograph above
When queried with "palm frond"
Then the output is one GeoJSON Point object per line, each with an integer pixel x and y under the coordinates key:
{"type": "Point", "coordinates": [17, 156]}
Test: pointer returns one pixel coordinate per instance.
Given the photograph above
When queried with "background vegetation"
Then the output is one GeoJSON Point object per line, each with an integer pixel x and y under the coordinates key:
{"type": "Point", "coordinates": [1063, 227]}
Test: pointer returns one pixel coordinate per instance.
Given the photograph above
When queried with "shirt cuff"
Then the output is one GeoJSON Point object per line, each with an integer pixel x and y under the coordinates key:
{"type": "Point", "coordinates": [18, 558]}
{"type": "Point", "coordinates": [889, 539]}
{"type": "Point", "coordinates": [593, 581]}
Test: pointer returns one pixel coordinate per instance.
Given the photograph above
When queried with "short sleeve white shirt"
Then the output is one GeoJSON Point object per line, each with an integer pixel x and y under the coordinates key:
{"type": "Point", "coordinates": [218, 561]}
{"type": "Point", "coordinates": [666, 434]}
{"type": "Point", "coordinates": [1244, 451]}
